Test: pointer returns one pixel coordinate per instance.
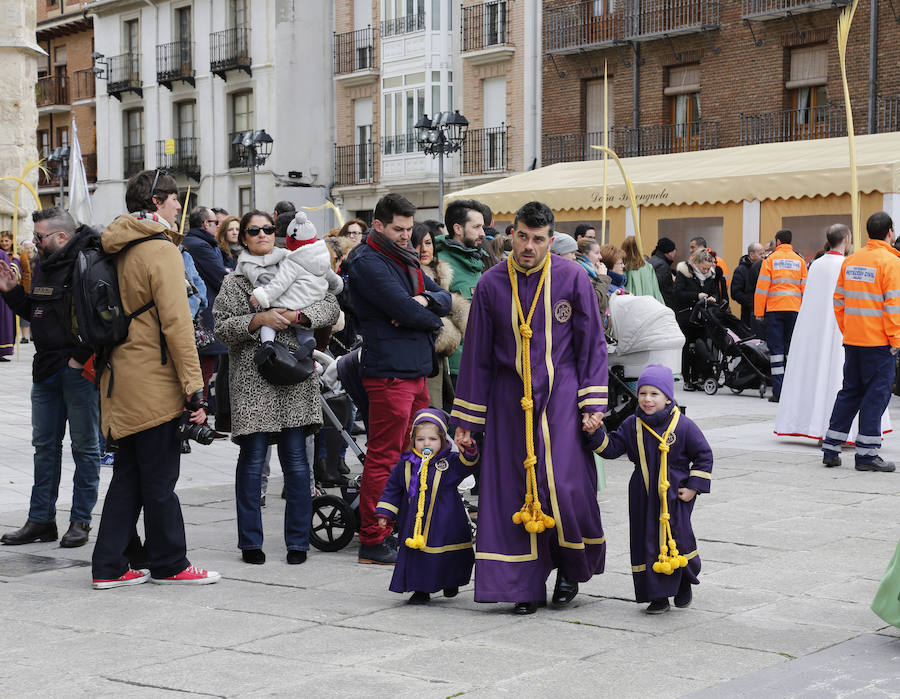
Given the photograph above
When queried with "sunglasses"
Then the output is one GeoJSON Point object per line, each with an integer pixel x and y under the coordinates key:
{"type": "Point", "coordinates": [159, 171]}
{"type": "Point", "coordinates": [254, 231]}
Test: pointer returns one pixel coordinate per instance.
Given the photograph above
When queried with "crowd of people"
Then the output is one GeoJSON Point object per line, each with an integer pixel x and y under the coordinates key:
{"type": "Point", "coordinates": [479, 353]}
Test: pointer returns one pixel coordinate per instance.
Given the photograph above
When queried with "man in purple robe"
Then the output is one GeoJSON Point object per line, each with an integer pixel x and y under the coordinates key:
{"type": "Point", "coordinates": [532, 378]}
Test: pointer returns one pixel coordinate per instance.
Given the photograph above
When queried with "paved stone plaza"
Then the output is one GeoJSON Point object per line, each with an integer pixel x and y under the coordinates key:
{"type": "Point", "coordinates": [792, 554]}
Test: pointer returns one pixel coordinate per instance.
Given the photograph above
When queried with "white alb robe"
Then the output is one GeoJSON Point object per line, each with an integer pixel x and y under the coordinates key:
{"type": "Point", "coordinates": [815, 363]}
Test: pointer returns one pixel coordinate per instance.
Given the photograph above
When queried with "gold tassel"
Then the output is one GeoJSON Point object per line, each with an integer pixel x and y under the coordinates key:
{"type": "Point", "coordinates": [417, 540]}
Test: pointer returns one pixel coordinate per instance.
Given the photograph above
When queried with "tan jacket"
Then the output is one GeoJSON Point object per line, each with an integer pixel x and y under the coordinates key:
{"type": "Point", "coordinates": [145, 392]}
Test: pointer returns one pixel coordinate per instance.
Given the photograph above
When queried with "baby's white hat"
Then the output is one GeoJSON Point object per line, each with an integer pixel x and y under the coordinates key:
{"type": "Point", "coordinates": [301, 228]}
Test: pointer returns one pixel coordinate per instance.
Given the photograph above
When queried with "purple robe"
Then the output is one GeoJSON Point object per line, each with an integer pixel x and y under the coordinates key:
{"type": "Point", "coordinates": [689, 465]}
{"type": "Point", "coordinates": [446, 561]}
{"type": "Point", "coordinates": [568, 369]}
{"type": "Point", "coordinates": [7, 317]}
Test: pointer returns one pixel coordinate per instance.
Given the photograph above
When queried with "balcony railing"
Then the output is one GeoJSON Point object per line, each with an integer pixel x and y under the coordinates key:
{"type": "Point", "coordinates": [578, 26]}
{"type": "Point", "coordinates": [229, 50]}
{"type": "Point", "coordinates": [887, 115]}
{"type": "Point", "coordinates": [484, 151]}
{"type": "Point", "coordinates": [827, 121]}
{"type": "Point", "coordinates": [484, 25]}
{"type": "Point", "coordinates": [124, 75]}
{"type": "Point", "coordinates": [84, 84]}
{"type": "Point", "coordinates": [52, 90]}
{"type": "Point", "coordinates": [401, 143]}
{"type": "Point", "coordinates": [185, 159]}
{"type": "Point", "coordinates": [763, 9]}
{"type": "Point", "coordinates": [354, 164]}
{"type": "Point", "coordinates": [354, 51]}
{"type": "Point", "coordinates": [133, 160]}
{"type": "Point", "coordinates": [648, 19]}
{"type": "Point", "coordinates": [175, 61]}
{"type": "Point", "coordinates": [403, 25]}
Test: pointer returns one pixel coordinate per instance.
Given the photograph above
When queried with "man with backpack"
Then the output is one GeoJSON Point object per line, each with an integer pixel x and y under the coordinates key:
{"type": "Point", "coordinates": [60, 395]}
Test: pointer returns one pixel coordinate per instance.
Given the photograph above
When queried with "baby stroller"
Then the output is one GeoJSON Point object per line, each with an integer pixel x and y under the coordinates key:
{"type": "Point", "coordinates": [728, 353]}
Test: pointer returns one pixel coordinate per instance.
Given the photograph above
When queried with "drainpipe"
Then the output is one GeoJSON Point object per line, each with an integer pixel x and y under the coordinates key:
{"type": "Point", "coordinates": [873, 65]}
{"type": "Point", "coordinates": [636, 97]}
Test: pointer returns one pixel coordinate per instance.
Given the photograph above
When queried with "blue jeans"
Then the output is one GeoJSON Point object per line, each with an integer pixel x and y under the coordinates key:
{"type": "Point", "coordinates": [66, 397]}
{"type": "Point", "coordinates": [248, 482]}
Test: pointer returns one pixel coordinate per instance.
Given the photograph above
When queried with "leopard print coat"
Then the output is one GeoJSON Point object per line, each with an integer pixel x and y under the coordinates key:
{"type": "Point", "coordinates": [256, 404]}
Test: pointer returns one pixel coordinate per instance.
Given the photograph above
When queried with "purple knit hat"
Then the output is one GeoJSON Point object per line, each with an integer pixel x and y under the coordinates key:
{"type": "Point", "coordinates": [659, 377]}
{"type": "Point", "coordinates": [436, 417]}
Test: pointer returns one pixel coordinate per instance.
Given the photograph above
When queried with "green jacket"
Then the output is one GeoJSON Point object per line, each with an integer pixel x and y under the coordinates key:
{"type": "Point", "coordinates": [643, 282]}
{"type": "Point", "coordinates": [467, 265]}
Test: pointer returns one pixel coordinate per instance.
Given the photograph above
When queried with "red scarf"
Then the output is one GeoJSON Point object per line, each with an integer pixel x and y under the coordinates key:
{"type": "Point", "coordinates": [406, 257]}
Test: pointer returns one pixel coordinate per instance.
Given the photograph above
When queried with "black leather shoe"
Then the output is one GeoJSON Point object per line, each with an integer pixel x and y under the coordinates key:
{"type": "Point", "coordinates": [419, 598]}
{"type": "Point", "coordinates": [379, 554]}
{"type": "Point", "coordinates": [774, 399]}
{"type": "Point", "coordinates": [877, 464]}
{"type": "Point", "coordinates": [658, 606]}
{"type": "Point", "coordinates": [685, 594]}
{"type": "Point", "coordinates": [255, 556]}
{"type": "Point", "coordinates": [451, 591]}
{"type": "Point", "coordinates": [296, 557]}
{"type": "Point", "coordinates": [565, 590]}
{"type": "Point", "coordinates": [76, 536]}
{"type": "Point", "coordinates": [832, 461]}
{"type": "Point", "coordinates": [527, 607]}
{"type": "Point", "coordinates": [31, 532]}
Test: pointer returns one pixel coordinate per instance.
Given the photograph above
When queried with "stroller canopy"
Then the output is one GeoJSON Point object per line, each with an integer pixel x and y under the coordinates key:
{"type": "Point", "coordinates": [642, 323]}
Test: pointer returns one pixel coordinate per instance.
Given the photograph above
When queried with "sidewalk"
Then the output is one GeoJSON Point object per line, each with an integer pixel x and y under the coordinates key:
{"type": "Point", "coordinates": [792, 554]}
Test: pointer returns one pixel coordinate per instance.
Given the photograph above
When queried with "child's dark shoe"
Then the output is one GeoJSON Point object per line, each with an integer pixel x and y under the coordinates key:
{"type": "Point", "coordinates": [296, 557]}
{"type": "Point", "coordinates": [419, 598]}
{"type": "Point", "coordinates": [658, 606]}
{"type": "Point", "coordinates": [684, 595]}
{"type": "Point", "coordinates": [254, 556]}
{"type": "Point", "coordinates": [451, 591]}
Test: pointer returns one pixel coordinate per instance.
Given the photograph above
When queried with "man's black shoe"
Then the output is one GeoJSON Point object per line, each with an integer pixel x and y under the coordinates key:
{"type": "Point", "coordinates": [451, 591]}
{"type": "Point", "coordinates": [688, 386]}
{"type": "Point", "coordinates": [832, 461]}
{"type": "Point", "coordinates": [658, 606]}
{"type": "Point", "coordinates": [358, 428]}
{"type": "Point", "coordinates": [565, 590]}
{"type": "Point", "coordinates": [76, 536]}
{"type": "Point", "coordinates": [343, 468]}
{"type": "Point", "coordinates": [419, 598]}
{"type": "Point", "coordinates": [876, 464]}
{"type": "Point", "coordinates": [685, 594]}
{"type": "Point", "coordinates": [523, 608]}
{"type": "Point", "coordinates": [379, 554]}
{"type": "Point", "coordinates": [31, 532]}
{"type": "Point", "coordinates": [774, 399]}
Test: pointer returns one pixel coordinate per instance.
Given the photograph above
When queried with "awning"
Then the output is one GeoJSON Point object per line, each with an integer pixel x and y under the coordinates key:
{"type": "Point", "coordinates": [767, 171]}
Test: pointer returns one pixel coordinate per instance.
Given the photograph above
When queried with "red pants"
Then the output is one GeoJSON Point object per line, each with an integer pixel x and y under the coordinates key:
{"type": "Point", "coordinates": [392, 405]}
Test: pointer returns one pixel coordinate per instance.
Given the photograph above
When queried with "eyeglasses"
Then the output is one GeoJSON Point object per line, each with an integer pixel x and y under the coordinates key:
{"type": "Point", "coordinates": [40, 238]}
{"type": "Point", "coordinates": [354, 234]}
{"type": "Point", "coordinates": [254, 231]}
{"type": "Point", "coordinates": [211, 220]}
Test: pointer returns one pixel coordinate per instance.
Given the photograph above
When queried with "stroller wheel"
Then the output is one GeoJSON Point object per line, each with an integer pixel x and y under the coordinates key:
{"type": "Point", "coordinates": [333, 523]}
{"type": "Point", "coordinates": [710, 386]}
{"type": "Point", "coordinates": [736, 391]}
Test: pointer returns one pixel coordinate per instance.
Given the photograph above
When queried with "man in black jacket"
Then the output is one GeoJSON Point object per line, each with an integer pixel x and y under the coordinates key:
{"type": "Point", "coordinates": [661, 259]}
{"type": "Point", "coordinates": [399, 310]}
{"type": "Point", "coordinates": [741, 291]}
{"type": "Point", "coordinates": [59, 394]}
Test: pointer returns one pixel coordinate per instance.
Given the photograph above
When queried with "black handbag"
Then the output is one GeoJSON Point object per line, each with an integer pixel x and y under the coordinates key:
{"type": "Point", "coordinates": [282, 366]}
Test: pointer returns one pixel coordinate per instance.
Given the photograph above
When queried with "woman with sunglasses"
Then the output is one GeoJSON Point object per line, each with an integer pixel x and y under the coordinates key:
{"type": "Point", "coordinates": [263, 412]}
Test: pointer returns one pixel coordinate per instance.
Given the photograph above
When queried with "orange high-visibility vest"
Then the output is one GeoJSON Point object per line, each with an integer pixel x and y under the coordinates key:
{"type": "Point", "coordinates": [782, 279]}
{"type": "Point", "coordinates": [867, 297]}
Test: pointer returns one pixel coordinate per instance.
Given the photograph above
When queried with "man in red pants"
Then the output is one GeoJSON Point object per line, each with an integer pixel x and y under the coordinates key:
{"type": "Point", "coordinates": [399, 309]}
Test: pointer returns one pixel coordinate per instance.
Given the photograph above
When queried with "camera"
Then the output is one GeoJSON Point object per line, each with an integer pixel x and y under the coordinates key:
{"type": "Point", "coordinates": [202, 434]}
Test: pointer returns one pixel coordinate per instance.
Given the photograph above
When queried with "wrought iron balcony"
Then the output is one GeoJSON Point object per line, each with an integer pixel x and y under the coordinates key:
{"type": "Point", "coordinates": [229, 50]}
{"type": "Point", "coordinates": [887, 115]}
{"type": "Point", "coordinates": [185, 160]}
{"type": "Point", "coordinates": [828, 121]}
{"type": "Point", "coordinates": [133, 161]}
{"type": "Point", "coordinates": [354, 51]}
{"type": "Point", "coordinates": [124, 75]}
{"type": "Point", "coordinates": [354, 164]}
{"type": "Point", "coordinates": [653, 19]}
{"type": "Point", "coordinates": [569, 147]}
{"type": "Point", "coordinates": [772, 9]}
{"type": "Point", "coordinates": [575, 27]}
{"type": "Point", "coordinates": [175, 61]}
{"type": "Point", "coordinates": [52, 90]}
{"type": "Point", "coordinates": [83, 84]}
{"type": "Point", "coordinates": [484, 26]}
{"type": "Point", "coordinates": [485, 151]}
{"type": "Point", "coordinates": [403, 25]}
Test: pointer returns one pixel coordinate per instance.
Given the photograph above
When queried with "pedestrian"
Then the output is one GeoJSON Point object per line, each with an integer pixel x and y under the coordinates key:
{"type": "Point", "coordinates": [60, 395]}
{"type": "Point", "coordinates": [7, 315]}
{"type": "Point", "coordinates": [353, 230]}
{"type": "Point", "coordinates": [887, 598]}
{"type": "Point", "coordinates": [699, 243]}
{"type": "Point", "coordinates": [585, 230]}
{"type": "Point", "coordinates": [640, 277]}
{"type": "Point", "coordinates": [614, 259]}
{"type": "Point", "coordinates": [565, 246]}
{"type": "Point", "coordinates": [868, 314]}
{"type": "Point", "coordinates": [29, 254]}
{"type": "Point", "coordinates": [536, 364]}
{"type": "Point", "coordinates": [227, 240]}
{"type": "Point", "coordinates": [421, 495]}
{"type": "Point", "coordinates": [673, 463]}
{"type": "Point", "coordinates": [158, 386]}
{"type": "Point", "coordinates": [398, 308]}
{"type": "Point", "coordinates": [662, 258]}
{"type": "Point", "coordinates": [779, 291]}
{"type": "Point", "coordinates": [742, 290]}
{"type": "Point", "coordinates": [588, 256]}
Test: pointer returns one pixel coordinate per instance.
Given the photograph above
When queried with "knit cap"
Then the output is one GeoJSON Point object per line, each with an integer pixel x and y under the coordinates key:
{"type": "Point", "coordinates": [659, 377]}
{"type": "Point", "coordinates": [563, 243]}
{"type": "Point", "coordinates": [300, 232]}
{"type": "Point", "coordinates": [665, 245]}
{"type": "Point", "coordinates": [436, 417]}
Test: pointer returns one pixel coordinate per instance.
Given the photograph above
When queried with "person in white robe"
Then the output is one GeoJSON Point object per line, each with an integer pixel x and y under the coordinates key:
{"type": "Point", "coordinates": [814, 371]}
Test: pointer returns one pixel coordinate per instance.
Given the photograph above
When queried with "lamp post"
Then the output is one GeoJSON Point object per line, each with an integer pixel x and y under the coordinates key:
{"type": "Point", "coordinates": [60, 158]}
{"type": "Point", "coordinates": [446, 133]}
{"type": "Point", "coordinates": [253, 148]}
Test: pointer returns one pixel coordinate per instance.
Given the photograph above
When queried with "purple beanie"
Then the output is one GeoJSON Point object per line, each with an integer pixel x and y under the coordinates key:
{"type": "Point", "coordinates": [659, 377]}
{"type": "Point", "coordinates": [436, 417]}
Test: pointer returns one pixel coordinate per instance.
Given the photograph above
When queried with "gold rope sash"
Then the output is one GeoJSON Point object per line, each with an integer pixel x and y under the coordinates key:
{"type": "Point", "coordinates": [417, 540]}
{"type": "Point", "coordinates": [669, 558]}
{"type": "Point", "coordinates": [531, 514]}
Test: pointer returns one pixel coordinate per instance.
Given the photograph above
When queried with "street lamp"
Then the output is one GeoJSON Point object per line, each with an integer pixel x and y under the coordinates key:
{"type": "Point", "coordinates": [60, 158]}
{"type": "Point", "coordinates": [446, 133]}
{"type": "Point", "coordinates": [253, 149]}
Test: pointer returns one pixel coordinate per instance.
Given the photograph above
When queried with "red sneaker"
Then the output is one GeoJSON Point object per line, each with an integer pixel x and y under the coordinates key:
{"type": "Point", "coordinates": [129, 577]}
{"type": "Point", "coordinates": [191, 576]}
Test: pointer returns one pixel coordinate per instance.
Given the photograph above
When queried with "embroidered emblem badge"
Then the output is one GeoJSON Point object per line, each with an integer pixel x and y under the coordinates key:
{"type": "Point", "coordinates": [562, 311]}
{"type": "Point", "coordinates": [442, 465]}
{"type": "Point", "coordinates": [670, 440]}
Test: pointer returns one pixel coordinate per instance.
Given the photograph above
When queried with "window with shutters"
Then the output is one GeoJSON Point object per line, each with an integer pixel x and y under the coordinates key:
{"type": "Point", "coordinates": [806, 87]}
{"type": "Point", "coordinates": [683, 93]}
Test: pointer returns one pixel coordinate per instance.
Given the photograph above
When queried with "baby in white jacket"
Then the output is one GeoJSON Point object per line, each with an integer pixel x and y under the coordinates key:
{"type": "Point", "coordinates": [292, 278]}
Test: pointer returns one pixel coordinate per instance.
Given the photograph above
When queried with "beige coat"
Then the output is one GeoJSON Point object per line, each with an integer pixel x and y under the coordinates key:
{"type": "Point", "coordinates": [145, 392]}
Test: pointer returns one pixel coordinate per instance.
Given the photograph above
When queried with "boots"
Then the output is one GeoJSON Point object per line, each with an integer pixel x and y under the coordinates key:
{"type": "Point", "coordinates": [31, 532]}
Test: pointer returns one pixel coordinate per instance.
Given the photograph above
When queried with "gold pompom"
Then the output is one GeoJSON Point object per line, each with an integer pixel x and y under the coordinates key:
{"type": "Point", "coordinates": [657, 567]}
{"type": "Point", "coordinates": [539, 527]}
{"type": "Point", "coordinates": [526, 516]}
{"type": "Point", "coordinates": [531, 527]}
{"type": "Point", "coordinates": [666, 568]}
{"type": "Point", "coordinates": [548, 521]}
{"type": "Point", "coordinates": [517, 518]}
{"type": "Point", "coordinates": [682, 561]}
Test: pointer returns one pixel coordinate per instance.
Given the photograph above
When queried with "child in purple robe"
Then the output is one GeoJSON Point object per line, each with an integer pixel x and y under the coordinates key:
{"type": "Point", "coordinates": [671, 455]}
{"type": "Point", "coordinates": [434, 535]}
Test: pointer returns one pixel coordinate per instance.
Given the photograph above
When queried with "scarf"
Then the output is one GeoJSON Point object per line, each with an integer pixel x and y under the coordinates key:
{"type": "Point", "coordinates": [586, 263]}
{"type": "Point", "coordinates": [406, 257]}
{"type": "Point", "coordinates": [151, 216]}
{"type": "Point", "coordinates": [703, 277]}
{"type": "Point", "coordinates": [617, 279]}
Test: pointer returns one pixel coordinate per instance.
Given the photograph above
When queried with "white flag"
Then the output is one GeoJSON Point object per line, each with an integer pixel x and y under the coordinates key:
{"type": "Point", "coordinates": [80, 205]}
